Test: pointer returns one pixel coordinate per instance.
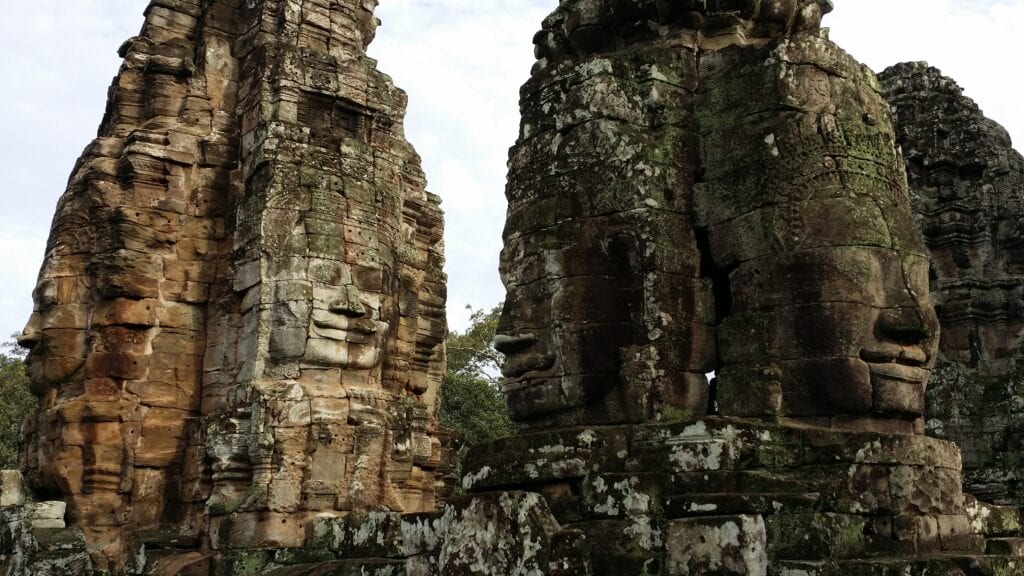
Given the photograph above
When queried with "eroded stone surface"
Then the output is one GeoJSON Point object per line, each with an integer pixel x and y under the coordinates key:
{"type": "Point", "coordinates": [968, 187]}
{"type": "Point", "coordinates": [709, 187]}
{"type": "Point", "coordinates": [696, 186]}
{"type": "Point", "coordinates": [238, 322]}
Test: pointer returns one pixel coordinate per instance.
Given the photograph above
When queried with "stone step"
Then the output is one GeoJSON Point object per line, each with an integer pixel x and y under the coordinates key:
{"type": "Point", "coordinates": [907, 566]}
{"type": "Point", "coordinates": [993, 520]}
{"type": "Point", "coordinates": [343, 568]}
{"type": "Point", "coordinates": [687, 505]}
{"type": "Point", "coordinates": [1005, 547]}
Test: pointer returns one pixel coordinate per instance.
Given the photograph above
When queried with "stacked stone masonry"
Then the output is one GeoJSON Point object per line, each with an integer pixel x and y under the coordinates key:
{"type": "Point", "coordinates": [967, 185]}
{"type": "Point", "coordinates": [712, 189]}
{"type": "Point", "coordinates": [237, 339]}
{"type": "Point", "coordinates": [238, 325]}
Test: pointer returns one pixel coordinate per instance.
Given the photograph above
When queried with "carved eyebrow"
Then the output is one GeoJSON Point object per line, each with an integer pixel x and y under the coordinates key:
{"type": "Point", "coordinates": [45, 293]}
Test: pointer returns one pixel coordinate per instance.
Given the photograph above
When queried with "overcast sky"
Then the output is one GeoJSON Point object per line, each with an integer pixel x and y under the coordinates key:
{"type": "Point", "coordinates": [461, 61]}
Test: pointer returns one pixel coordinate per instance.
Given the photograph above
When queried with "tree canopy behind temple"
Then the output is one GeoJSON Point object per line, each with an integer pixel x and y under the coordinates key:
{"type": "Point", "coordinates": [16, 402]}
{"type": "Point", "coordinates": [471, 403]}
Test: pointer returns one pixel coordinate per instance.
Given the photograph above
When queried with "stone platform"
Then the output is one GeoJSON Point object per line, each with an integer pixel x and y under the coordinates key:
{"type": "Point", "coordinates": [711, 497]}
{"type": "Point", "coordinates": [731, 496]}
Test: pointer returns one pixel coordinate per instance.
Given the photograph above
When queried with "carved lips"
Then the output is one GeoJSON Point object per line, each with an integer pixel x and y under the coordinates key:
{"type": "Point", "coordinates": [899, 375]}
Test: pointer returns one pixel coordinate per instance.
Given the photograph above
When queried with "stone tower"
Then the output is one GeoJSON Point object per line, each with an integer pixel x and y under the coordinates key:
{"type": "Point", "coordinates": [705, 186]}
{"type": "Point", "coordinates": [710, 186]}
{"type": "Point", "coordinates": [967, 185]}
{"type": "Point", "coordinates": [697, 185]}
{"type": "Point", "coordinates": [238, 322]}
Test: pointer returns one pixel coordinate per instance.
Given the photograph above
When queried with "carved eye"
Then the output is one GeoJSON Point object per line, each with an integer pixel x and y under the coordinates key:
{"type": "Point", "coordinates": [621, 250]}
{"type": "Point", "coordinates": [45, 295]}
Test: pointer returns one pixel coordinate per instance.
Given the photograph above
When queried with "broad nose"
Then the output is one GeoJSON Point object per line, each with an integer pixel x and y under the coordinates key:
{"type": "Point", "coordinates": [506, 340]}
{"type": "Point", "coordinates": [32, 332]}
{"type": "Point", "coordinates": [349, 304]}
{"type": "Point", "coordinates": [908, 326]}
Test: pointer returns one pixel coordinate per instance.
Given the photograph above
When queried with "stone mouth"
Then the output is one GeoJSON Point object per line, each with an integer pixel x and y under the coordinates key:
{"type": "Point", "coordinates": [900, 372]}
{"type": "Point", "coordinates": [911, 356]}
{"type": "Point", "coordinates": [341, 327]}
{"type": "Point", "coordinates": [528, 366]}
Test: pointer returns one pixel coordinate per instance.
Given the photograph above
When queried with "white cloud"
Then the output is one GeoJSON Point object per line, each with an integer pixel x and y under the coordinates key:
{"type": "Point", "coordinates": [975, 43]}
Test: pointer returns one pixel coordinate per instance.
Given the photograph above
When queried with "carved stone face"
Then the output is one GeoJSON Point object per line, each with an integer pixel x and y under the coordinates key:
{"type": "Point", "coordinates": [605, 318]}
{"type": "Point", "coordinates": [348, 332]}
{"type": "Point", "coordinates": [833, 330]}
{"type": "Point", "coordinates": [56, 334]}
{"type": "Point", "coordinates": [825, 314]}
{"type": "Point", "coordinates": [337, 304]}
{"type": "Point", "coordinates": [568, 339]}
{"type": "Point", "coordinates": [744, 212]}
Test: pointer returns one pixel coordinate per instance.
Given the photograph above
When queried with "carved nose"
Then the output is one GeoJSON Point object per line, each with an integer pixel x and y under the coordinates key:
{"type": "Point", "coordinates": [906, 326]}
{"type": "Point", "coordinates": [347, 307]}
{"type": "Point", "coordinates": [28, 340]}
{"type": "Point", "coordinates": [507, 344]}
{"type": "Point", "coordinates": [30, 335]}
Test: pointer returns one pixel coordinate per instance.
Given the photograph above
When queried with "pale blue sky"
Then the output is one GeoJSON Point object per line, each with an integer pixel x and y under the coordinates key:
{"type": "Point", "coordinates": [461, 61]}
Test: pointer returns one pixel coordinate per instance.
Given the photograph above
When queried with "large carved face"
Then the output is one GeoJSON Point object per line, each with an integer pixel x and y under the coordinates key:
{"type": "Point", "coordinates": [349, 325]}
{"type": "Point", "coordinates": [337, 304]}
{"type": "Point", "coordinates": [832, 329]}
{"type": "Point", "coordinates": [744, 212]}
{"type": "Point", "coordinates": [605, 315]}
{"type": "Point", "coordinates": [828, 316]}
{"type": "Point", "coordinates": [56, 334]}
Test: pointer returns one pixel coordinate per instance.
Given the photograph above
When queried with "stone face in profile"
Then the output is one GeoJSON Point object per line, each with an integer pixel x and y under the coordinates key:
{"type": "Point", "coordinates": [744, 212]}
{"type": "Point", "coordinates": [239, 320]}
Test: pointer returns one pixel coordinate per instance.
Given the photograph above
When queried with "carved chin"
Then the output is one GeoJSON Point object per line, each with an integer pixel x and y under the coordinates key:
{"type": "Point", "coordinates": [47, 372]}
{"type": "Point", "coordinates": [899, 389]}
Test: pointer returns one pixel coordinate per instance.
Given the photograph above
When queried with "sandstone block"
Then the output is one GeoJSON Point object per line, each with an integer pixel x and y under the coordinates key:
{"type": "Point", "coordinates": [12, 488]}
{"type": "Point", "coordinates": [720, 546]}
{"type": "Point", "coordinates": [45, 514]}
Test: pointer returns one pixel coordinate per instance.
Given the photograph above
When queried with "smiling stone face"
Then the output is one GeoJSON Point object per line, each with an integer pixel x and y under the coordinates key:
{"type": "Point", "coordinates": [241, 311]}
{"type": "Point", "coordinates": [330, 276]}
{"type": "Point", "coordinates": [808, 216]}
{"type": "Point", "coordinates": [57, 334]}
{"type": "Point", "coordinates": [349, 332]}
{"type": "Point", "coordinates": [720, 192]}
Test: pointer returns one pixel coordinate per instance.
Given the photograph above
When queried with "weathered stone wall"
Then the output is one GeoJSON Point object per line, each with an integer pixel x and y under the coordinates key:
{"type": "Point", "coordinates": [119, 328]}
{"type": "Point", "coordinates": [711, 187]}
{"type": "Point", "coordinates": [967, 185]}
{"type": "Point", "coordinates": [238, 322]}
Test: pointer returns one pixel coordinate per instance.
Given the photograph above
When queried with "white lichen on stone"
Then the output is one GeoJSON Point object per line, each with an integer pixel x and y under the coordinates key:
{"type": "Point", "coordinates": [870, 449]}
{"type": "Point", "coordinates": [695, 507]}
{"type": "Point", "coordinates": [643, 533]}
{"type": "Point", "coordinates": [587, 438]}
{"type": "Point", "coordinates": [470, 480]}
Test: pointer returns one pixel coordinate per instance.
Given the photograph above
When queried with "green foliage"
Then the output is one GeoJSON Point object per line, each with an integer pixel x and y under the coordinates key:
{"type": "Point", "coordinates": [471, 401]}
{"type": "Point", "coordinates": [15, 403]}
